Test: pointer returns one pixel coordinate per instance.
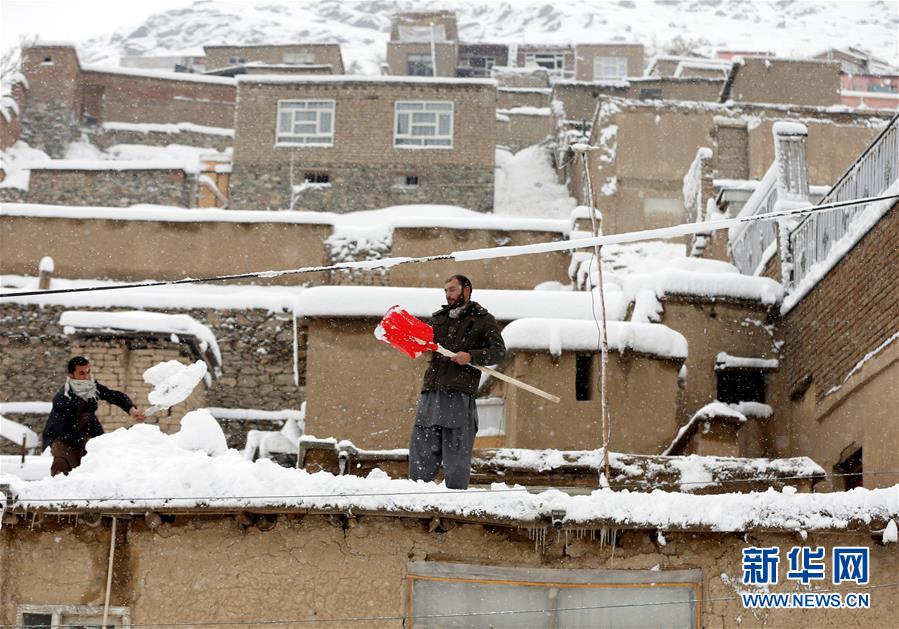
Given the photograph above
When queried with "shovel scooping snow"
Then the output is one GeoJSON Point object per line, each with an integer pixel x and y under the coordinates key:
{"type": "Point", "coordinates": [173, 382]}
{"type": "Point", "coordinates": [414, 337]}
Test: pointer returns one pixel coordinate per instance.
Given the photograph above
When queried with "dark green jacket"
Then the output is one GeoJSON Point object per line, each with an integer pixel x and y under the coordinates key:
{"type": "Point", "coordinates": [475, 332]}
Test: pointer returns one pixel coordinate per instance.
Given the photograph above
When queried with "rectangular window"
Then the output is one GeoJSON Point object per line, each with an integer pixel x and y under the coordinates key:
{"type": "Point", "coordinates": [305, 122]}
{"type": "Point", "coordinates": [58, 616]}
{"type": "Point", "coordinates": [554, 62]}
{"type": "Point", "coordinates": [298, 58]}
{"type": "Point", "coordinates": [423, 124]}
{"type": "Point", "coordinates": [464, 595]}
{"type": "Point", "coordinates": [236, 60]}
{"type": "Point", "coordinates": [651, 93]}
{"type": "Point", "coordinates": [609, 67]}
{"type": "Point", "coordinates": [317, 178]}
{"type": "Point", "coordinates": [406, 181]}
{"type": "Point", "coordinates": [741, 385]}
{"type": "Point", "coordinates": [419, 65]}
{"type": "Point", "coordinates": [582, 372]}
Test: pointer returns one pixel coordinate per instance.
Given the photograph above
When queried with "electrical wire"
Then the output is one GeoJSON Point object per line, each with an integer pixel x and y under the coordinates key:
{"type": "Point", "coordinates": [505, 612]}
{"type": "Point", "coordinates": [469, 255]}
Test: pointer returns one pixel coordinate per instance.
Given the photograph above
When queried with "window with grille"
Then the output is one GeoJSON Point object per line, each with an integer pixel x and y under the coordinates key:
{"type": "Point", "coordinates": [305, 122]}
{"type": "Point", "coordinates": [423, 124]}
{"type": "Point", "coordinates": [419, 65]}
{"type": "Point", "coordinates": [316, 178]}
{"type": "Point", "coordinates": [609, 67]}
{"type": "Point", "coordinates": [554, 62]}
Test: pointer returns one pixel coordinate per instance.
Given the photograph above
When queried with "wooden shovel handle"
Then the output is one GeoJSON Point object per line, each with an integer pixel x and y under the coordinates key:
{"type": "Point", "coordinates": [497, 374]}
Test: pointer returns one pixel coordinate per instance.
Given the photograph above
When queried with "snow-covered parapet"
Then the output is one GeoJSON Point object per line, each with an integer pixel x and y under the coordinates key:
{"type": "Point", "coordinates": [108, 164]}
{"type": "Point", "coordinates": [18, 434]}
{"type": "Point", "coordinates": [505, 305]}
{"type": "Point", "coordinates": [560, 335]}
{"type": "Point", "coordinates": [714, 411]}
{"type": "Point", "coordinates": [171, 128]}
{"type": "Point", "coordinates": [726, 361]}
{"type": "Point", "coordinates": [704, 279]}
{"type": "Point", "coordinates": [525, 111]}
{"type": "Point", "coordinates": [142, 321]}
{"type": "Point", "coordinates": [113, 476]}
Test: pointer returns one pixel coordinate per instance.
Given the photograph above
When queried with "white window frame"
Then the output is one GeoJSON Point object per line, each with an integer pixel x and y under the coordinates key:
{"type": "Point", "coordinates": [298, 58]}
{"type": "Point", "coordinates": [316, 139]}
{"type": "Point", "coordinates": [558, 59]}
{"type": "Point", "coordinates": [64, 615]}
{"type": "Point", "coordinates": [411, 140]}
{"type": "Point", "coordinates": [609, 67]}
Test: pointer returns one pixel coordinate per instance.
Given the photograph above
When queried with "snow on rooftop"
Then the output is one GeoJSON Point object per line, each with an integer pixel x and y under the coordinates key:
{"type": "Point", "coordinates": [359, 78]}
{"type": "Point", "coordinates": [559, 335]}
{"type": "Point", "coordinates": [104, 164]}
{"type": "Point", "coordinates": [160, 74]}
{"type": "Point", "coordinates": [178, 127]}
{"type": "Point", "coordinates": [114, 475]}
{"type": "Point", "coordinates": [242, 296]}
{"type": "Point", "coordinates": [17, 433]}
{"type": "Point", "coordinates": [711, 281]}
{"type": "Point", "coordinates": [505, 305]}
{"type": "Point", "coordinates": [142, 321]}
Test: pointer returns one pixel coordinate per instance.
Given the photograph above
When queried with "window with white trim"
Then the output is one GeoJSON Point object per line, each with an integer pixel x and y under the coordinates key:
{"type": "Point", "coordinates": [305, 122]}
{"type": "Point", "coordinates": [298, 58]}
{"type": "Point", "coordinates": [53, 616]}
{"type": "Point", "coordinates": [423, 124]}
{"type": "Point", "coordinates": [554, 62]}
{"type": "Point", "coordinates": [609, 67]}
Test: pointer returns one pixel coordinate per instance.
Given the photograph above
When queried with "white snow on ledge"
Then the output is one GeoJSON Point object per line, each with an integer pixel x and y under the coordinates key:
{"type": "Point", "coordinates": [505, 305]}
{"type": "Point", "coordinates": [25, 408]}
{"type": "Point", "coordinates": [707, 285]}
{"type": "Point", "coordinates": [559, 335]}
{"type": "Point", "coordinates": [725, 361]}
{"type": "Point", "coordinates": [186, 77]}
{"type": "Point", "coordinates": [108, 164]}
{"type": "Point", "coordinates": [179, 127]}
{"type": "Point", "coordinates": [113, 475]}
{"type": "Point", "coordinates": [142, 321]}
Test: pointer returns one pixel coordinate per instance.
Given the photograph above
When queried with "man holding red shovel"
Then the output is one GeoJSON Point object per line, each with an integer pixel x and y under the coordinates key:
{"type": "Point", "coordinates": [446, 420]}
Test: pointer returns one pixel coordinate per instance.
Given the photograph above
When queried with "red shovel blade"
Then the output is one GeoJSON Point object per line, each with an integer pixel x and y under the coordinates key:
{"type": "Point", "coordinates": [406, 333]}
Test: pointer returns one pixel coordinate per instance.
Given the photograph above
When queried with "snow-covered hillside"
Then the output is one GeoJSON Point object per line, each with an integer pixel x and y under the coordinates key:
{"type": "Point", "coordinates": [787, 27]}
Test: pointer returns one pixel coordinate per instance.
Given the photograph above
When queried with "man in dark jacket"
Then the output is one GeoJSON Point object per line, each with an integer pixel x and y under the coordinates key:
{"type": "Point", "coordinates": [447, 419]}
{"type": "Point", "coordinates": [73, 420]}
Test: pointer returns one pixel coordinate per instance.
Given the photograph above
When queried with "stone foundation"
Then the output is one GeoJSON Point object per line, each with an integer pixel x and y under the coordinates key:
{"type": "Point", "coordinates": [48, 126]}
{"type": "Point", "coordinates": [267, 186]}
{"type": "Point", "coordinates": [104, 138]}
{"type": "Point", "coordinates": [112, 188]}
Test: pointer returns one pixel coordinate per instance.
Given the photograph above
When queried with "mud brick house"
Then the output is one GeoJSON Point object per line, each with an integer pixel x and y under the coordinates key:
{"type": "Point", "coordinates": [423, 44]}
{"type": "Point", "coordinates": [65, 95]}
{"type": "Point", "coordinates": [302, 54]}
{"type": "Point", "coordinates": [477, 60]}
{"type": "Point", "coordinates": [838, 319]}
{"type": "Point", "coordinates": [355, 143]}
{"type": "Point", "coordinates": [636, 193]}
{"type": "Point", "coordinates": [599, 62]}
{"type": "Point", "coordinates": [558, 61]}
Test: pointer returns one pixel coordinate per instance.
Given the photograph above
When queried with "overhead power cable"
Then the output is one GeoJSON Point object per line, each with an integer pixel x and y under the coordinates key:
{"type": "Point", "coordinates": [423, 617]}
{"type": "Point", "coordinates": [487, 253]}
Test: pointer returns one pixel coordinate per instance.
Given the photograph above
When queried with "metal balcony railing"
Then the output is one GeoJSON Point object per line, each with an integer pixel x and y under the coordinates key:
{"type": "Point", "coordinates": [870, 175]}
{"type": "Point", "coordinates": [748, 242]}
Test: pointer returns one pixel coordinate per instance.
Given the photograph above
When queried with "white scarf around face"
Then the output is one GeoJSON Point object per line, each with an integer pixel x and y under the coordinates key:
{"type": "Point", "coordinates": [85, 389]}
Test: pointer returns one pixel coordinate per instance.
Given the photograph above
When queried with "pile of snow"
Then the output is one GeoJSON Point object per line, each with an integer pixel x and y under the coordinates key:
{"type": "Point", "coordinates": [15, 161]}
{"type": "Point", "coordinates": [526, 185]}
{"type": "Point", "coordinates": [201, 433]}
{"type": "Point", "coordinates": [141, 468]}
{"type": "Point", "coordinates": [559, 335]}
{"type": "Point", "coordinates": [705, 285]}
{"type": "Point", "coordinates": [725, 361]}
{"type": "Point", "coordinates": [713, 410]}
{"type": "Point", "coordinates": [118, 156]}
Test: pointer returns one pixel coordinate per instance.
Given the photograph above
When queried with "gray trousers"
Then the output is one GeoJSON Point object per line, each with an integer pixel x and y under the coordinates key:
{"type": "Point", "coordinates": [429, 446]}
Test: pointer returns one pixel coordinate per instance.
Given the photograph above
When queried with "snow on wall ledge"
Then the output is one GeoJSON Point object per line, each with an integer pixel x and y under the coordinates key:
{"type": "Point", "coordinates": [559, 335]}
{"type": "Point", "coordinates": [142, 321]}
{"type": "Point", "coordinates": [705, 285]}
{"type": "Point", "coordinates": [114, 476]}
